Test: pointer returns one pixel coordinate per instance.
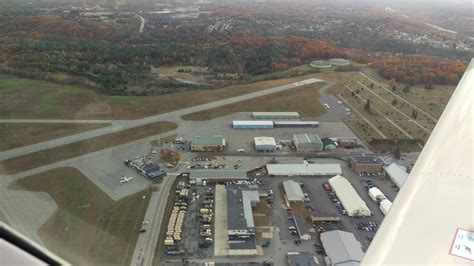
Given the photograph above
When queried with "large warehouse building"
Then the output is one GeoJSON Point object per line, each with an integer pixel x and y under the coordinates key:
{"type": "Point", "coordinates": [351, 201]}
{"type": "Point", "coordinates": [265, 144]}
{"type": "Point", "coordinates": [214, 175]}
{"type": "Point", "coordinates": [208, 143]}
{"type": "Point", "coordinates": [342, 248]}
{"type": "Point", "coordinates": [245, 124]}
{"type": "Point", "coordinates": [397, 174]}
{"type": "Point", "coordinates": [303, 169]}
{"type": "Point", "coordinates": [276, 115]}
{"type": "Point", "coordinates": [293, 191]}
{"type": "Point", "coordinates": [294, 123]}
{"type": "Point", "coordinates": [307, 142]}
{"type": "Point", "coordinates": [366, 164]}
{"type": "Point", "coordinates": [240, 223]}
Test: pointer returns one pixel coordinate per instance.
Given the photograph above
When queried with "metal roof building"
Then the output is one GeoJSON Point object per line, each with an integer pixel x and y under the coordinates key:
{"type": "Point", "coordinates": [295, 123]}
{"type": "Point", "coordinates": [265, 144]}
{"type": "Point", "coordinates": [301, 259]}
{"type": "Point", "coordinates": [212, 175]}
{"type": "Point", "coordinates": [397, 174]}
{"type": "Point", "coordinates": [238, 218]}
{"type": "Point", "coordinates": [342, 248]}
{"type": "Point", "coordinates": [208, 143]}
{"type": "Point", "coordinates": [307, 142]}
{"type": "Point", "coordinates": [351, 201]}
{"type": "Point", "coordinates": [252, 124]}
{"type": "Point", "coordinates": [302, 226]}
{"type": "Point", "coordinates": [385, 206]}
{"type": "Point", "coordinates": [303, 169]}
{"type": "Point", "coordinates": [276, 115]}
{"type": "Point", "coordinates": [293, 191]}
{"type": "Point", "coordinates": [376, 195]}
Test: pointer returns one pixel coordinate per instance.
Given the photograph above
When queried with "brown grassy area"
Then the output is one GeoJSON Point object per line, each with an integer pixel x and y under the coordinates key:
{"type": "Point", "coordinates": [303, 100]}
{"type": "Point", "coordinates": [88, 228]}
{"type": "Point", "coordinates": [14, 135]}
{"type": "Point", "coordinates": [24, 98]}
{"type": "Point", "coordinates": [36, 159]}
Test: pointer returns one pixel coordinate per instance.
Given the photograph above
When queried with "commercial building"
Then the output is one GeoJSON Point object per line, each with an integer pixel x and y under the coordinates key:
{"type": "Point", "coordinates": [342, 248]}
{"type": "Point", "coordinates": [276, 115]}
{"type": "Point", "coordinates": [385, 206]}
{"type": "Point", "coordinates": [303, 227]}
{"type": "Point", "coordinates": [246, 124]}
{"type": "Point", "coordinates": [366, 164]}
{"type": "Point", "coordinates": [240, 223]}
{"type": "Point", "coordinates": [295, 123]}
{"type": "Point", "coordinates": [349, 198]}
{"type": "Point", "coordinates": [301, 259]}
{"type": "Point", "coordinates": [265, 144]}
{"type": "Point", "coordinates": [307, 142]}
{"type": "Point", "coordinates": [146, 168]}
{"type": "Point", "coordinates": [293, 191]}
{"type": "Point", "coordinates": [208, 143]}
{"type": "Point", "coordinates": [215, 175]}
{"type": "Point", "coordinates": [303, 169]}
{"type": "Point", "coordinates": [376, 195]}
{"type": "Point", "coordinates": [397, 174]}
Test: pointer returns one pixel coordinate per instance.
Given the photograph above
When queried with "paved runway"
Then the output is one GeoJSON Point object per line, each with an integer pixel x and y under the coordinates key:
{"type": "Point", "coordinates": [174, 116]}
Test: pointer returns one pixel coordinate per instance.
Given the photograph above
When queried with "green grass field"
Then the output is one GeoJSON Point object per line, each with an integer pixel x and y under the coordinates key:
{"type": "Point", "coordinates": [14, 135]}
{"type": "Point", "coordinates": [88, 228]}
{"type": "Point", "coordinates": [303, 100]}
{"type": "Point", "coordinates": [48, 156]}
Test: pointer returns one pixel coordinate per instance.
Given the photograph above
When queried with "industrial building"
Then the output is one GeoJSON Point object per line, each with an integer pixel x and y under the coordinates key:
{"type": "Point", "coordinates": [240, 224]}
{"type": "Point", "coordinates": [303, 169]}
{"type": "Point", "coordinates": [303, 227]}
{"type": "Point", "coordinates": [385, 206]}
{"type": "Point", "coordinates": [349, 198]}
{"type": "Point", "coordinates": [376, 195]}
{"type": "Point", "coordinates": [366, 164]}
{"type": "Point", "coordinates": [295, 123]}
{"type": "Point", "coordinates": [307, 142]}
{"type": "Point", "coordinates": [146, 168]}
{"type": "Point", "coordinates": [215, 175]}
{"type": "Point", "coordinates": [342, 248]}
{"type": "Point", "coordinates": [246, 124]}
{"type": "Point", "coordinates": [276, 115]}
{"type": "Point", "coordinates": [208, 143]}
{"type": "Point", "coordinates": [329, 144]}
{"type": "Point", "coordinates": [396, 173]}
{"type": "Point", "coordinates": [301, 259]}
{"type": "Point", "coordinates": [265, 144]}
{"type": "Point", "coordinates": [293, 191]}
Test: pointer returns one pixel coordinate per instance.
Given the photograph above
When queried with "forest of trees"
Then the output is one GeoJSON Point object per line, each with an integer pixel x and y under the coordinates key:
{"type": "Point", "coordinates": [421, 70]}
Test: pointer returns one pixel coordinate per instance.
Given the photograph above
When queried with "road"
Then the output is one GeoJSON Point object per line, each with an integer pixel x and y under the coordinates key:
{"type": "Point", "coordinates": [174, 116]}
{"type": "Point", "coordinates": [146, 244]}
{"type": "Point", "coordinates": [142, 23]}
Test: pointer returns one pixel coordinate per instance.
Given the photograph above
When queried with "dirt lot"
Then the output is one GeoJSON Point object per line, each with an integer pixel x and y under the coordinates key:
{"type": "Point", "coordinates": [36, 159]}
{"type": "Point", "coordinates": [88, 228]}
{"type": "Point", "coordinates": [16, 135]}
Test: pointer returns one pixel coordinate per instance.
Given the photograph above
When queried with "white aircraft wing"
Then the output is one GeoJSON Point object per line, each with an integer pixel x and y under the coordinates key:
{"type": "Point", "coordinates": [431, 222]}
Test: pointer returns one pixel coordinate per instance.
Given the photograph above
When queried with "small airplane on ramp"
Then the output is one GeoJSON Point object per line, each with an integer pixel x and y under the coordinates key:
{"type": "Point", "coordinates": [126, 179]}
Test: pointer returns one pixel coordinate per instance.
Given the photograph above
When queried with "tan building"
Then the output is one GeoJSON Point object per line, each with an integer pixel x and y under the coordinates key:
{"type": "Point", "coordinates": [366, 164]}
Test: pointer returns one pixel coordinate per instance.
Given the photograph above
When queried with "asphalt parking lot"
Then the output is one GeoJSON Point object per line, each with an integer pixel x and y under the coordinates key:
{"type": "Point", "coordinates": [243, 138]}
{"type": "Point", "coordinates": [191, 227]}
